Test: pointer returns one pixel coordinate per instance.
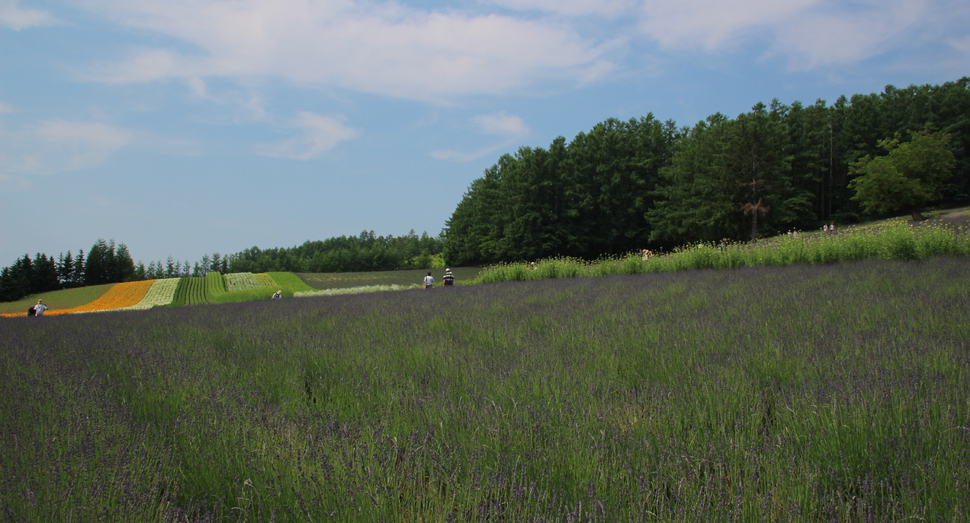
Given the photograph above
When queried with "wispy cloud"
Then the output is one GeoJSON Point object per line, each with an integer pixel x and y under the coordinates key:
{"type": "Point", "coordinates": [57, 146]}
{"type": "Point", "coordinates": [502, 123]}
{"type": "Point", "coordinates": [17, 18]}
{"type": "Point", "coordinates": [606, 8]}
{"type": "Point", "coordinates": [807, 34]}
{"type": "Point", "coordinates": [509, 127]}
{"type": "Point", "coordinates": [382, 48]}
{"type": "Point", "coordinates": [317, 134]}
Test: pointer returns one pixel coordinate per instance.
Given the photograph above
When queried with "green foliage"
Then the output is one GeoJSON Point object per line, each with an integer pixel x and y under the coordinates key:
{"type": "Point", "coordinates": [366, 252]}
{"type": "Point", "coordinates": [583, 199]}
{"type": "Point", "coordinates": [625, 186]}
{"type": "Point", "coordinates": [909, 177]}
{"type": "Point", "coordinates": [107, 263]}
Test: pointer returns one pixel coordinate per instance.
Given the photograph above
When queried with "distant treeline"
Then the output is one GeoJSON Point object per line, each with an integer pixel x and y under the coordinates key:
{"type": "Point", "coordinates": [642, 183]}
{"type": "Point", "coordinates": [104, 263]}
{"type": "Point", "coordinates": [366, 252]}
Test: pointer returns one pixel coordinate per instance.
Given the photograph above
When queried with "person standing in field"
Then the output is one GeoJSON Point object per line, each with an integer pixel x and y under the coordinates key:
{"type": "Point", "coordinates": [39, 308]}
{"type": "Point", "coordinates": [448, 278]}
{"type": "Point", "coordinates": [428, 281]}
{"type": "Point", "coordinates": [277, 295]}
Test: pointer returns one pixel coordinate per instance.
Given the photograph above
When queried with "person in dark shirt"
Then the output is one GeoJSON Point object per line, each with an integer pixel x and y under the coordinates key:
{"type": "Point", "coordinates": [448, 278]}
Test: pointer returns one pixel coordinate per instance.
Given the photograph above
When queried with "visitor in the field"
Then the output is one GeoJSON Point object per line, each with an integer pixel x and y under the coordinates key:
{"type": "Point", "coordinates": [277, 295]}
{"type": "Point", "coordinates": [39, 308]}
{"type": "Point", "coordinates": [448, 278]}
{"type": "Point", "coordinates": [428, 281]}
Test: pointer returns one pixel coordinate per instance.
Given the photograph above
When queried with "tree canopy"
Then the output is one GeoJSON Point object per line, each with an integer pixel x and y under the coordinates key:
{"type": "Point", "coordinates": [628, 185]}
{"type": "Point", "coordinates": [906, 179]}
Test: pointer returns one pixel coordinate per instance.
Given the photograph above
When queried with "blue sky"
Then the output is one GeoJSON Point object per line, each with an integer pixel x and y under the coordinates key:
{"type": "Point", "coordinates": [187, 127]}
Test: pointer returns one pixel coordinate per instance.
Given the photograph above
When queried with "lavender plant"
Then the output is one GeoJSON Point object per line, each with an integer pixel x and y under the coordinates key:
{"type": "Point", "coordinates": [808, 393]}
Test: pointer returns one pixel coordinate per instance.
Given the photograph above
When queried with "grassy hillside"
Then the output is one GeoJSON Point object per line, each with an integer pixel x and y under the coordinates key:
{"type": "Point", "coordinates": [340, 280]}
{"type": "Point", "coordinates": [63, 299]}
{"type": "Point", "coordinates": [832, 392]}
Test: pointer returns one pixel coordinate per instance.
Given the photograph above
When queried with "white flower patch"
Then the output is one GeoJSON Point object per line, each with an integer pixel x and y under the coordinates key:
{"type": "Point", "coordinates": [352, 290]}
{"type": "Point", "coordinates": [162, 292]}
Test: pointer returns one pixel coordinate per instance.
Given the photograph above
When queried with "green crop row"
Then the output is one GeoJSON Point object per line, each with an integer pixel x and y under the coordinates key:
{"type": "Point", "coordinates": [190, 291]}
{"type": "Point", "coordinates": [240, 281]}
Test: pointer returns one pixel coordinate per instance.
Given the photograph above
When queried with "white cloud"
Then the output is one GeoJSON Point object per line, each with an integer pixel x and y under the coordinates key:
{"type": "Point", "coordinates": [962, 44]}
{"type": "Point", "coordinates": [510, 127]}
{"type": "Point", "coordinates": [833, 36]}
{"type": "Point", "coordinates": [711, 25]}
{"type": "Point", "coordinates": [385, 48]}
{"type": "Point", "coordinates": [318, 135]}
{"type": "Point", "coordinates": [57, 146]}
{"type": "Point", "coordinates": [806, 33]}
{"type": "Point", "coordinates": [502, 123]}
{"type": "Point", "coordinates": [17, 18]}
{"type": "Point", "coordinates": [607, 8]}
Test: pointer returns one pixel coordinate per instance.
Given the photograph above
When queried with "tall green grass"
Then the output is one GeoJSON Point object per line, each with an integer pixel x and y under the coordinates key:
{"type": "Point", "coordinates": [889, 241]}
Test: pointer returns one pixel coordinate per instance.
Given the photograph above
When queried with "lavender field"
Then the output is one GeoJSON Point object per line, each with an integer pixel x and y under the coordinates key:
{"type": "Point", "coordinates": [805, 393]}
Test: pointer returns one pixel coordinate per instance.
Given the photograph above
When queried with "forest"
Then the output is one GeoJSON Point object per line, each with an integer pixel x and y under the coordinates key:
{"type": "Point", "coordinates": [642, 183]}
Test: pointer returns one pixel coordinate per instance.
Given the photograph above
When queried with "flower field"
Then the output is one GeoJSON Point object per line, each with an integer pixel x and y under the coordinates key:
{"type": "Point", "coordinates": [352, 290]}
{"type": "Point", "coordinates": [833, 392]}
{"type": "Point", "coordinates": [161, 293]}
{"type": "Point", "coordinates": [119, 296]}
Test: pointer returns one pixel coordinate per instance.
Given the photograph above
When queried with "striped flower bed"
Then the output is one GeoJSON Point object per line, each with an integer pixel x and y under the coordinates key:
{"type": "Point", "coordinates": [265, 280]}
{"type": "Point", "coordinates": [241, 281]}
{"type": "Point", "coordinates": [160, 294]}
{"type": "Point", "coordinates": [118, 297]}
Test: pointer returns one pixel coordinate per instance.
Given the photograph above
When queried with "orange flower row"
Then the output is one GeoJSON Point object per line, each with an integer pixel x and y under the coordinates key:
{"type": "Point", "coordinates": [121, 295]}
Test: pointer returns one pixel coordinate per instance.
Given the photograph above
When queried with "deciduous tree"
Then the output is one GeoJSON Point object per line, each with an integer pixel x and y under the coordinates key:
{"type": "Point", "coordinates": [906, 179]}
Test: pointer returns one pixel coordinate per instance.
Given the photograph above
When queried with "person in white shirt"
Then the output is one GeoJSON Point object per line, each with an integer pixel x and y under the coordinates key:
{"type": "Point", "coordinates": [39, 308]}
{"type": "Point", "coordinates": [428, 281]}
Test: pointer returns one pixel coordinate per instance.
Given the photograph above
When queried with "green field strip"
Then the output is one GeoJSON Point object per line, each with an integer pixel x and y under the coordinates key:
{"type": "Point", "coordinates": [265, 280]}
{"type": "Point", "coordinates": [241, 281]}
{"type": "Point", "coordinates": [290, 282]}
{"type": "Point", "coordinates": [190, 291]}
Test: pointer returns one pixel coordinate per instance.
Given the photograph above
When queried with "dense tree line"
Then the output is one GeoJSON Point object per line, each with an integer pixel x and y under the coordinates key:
{"type": "Point", "coordinates": [366, 252]}
{"type": "Point", "coordinates": [104, 263]}
{"type": "Point", "coordinates": [630, 185]}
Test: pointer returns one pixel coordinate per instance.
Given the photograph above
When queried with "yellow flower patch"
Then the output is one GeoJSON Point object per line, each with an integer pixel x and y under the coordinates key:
{"type": "Point", "coordinates": [120, 296]}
